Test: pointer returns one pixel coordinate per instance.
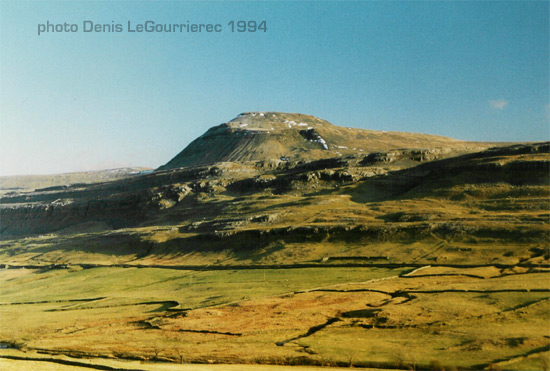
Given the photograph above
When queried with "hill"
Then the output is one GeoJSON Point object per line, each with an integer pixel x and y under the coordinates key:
{"type": "Point", "coordinates": [419, 252]}
{"type": "Point", "coordinates": [270, 138]}
{"type": "Point", "coordinates": [26, 183]}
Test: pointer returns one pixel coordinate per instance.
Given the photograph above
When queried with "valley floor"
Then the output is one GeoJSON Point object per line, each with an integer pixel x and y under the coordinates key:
{"type": "Point", "coordinates": [23, 361]}
{"type": "Point", "coordinates": [433, 317]}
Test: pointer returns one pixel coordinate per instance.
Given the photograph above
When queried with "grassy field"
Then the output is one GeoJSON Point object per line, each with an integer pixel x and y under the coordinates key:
{"type": "Point", "coordinates": [30, 361]}
{"type": "Point", "coordinates": [429, 318]}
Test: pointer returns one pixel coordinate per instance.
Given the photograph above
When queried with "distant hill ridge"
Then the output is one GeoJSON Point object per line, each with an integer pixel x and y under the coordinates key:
{"type": "Point", "coordinates": [20, 183]}
{"type": "Point", "coordinates": [276, 137]}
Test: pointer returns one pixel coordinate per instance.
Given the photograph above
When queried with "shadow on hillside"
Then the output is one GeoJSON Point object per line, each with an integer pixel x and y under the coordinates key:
{"type": "Point", "coordinates": [520, 165]}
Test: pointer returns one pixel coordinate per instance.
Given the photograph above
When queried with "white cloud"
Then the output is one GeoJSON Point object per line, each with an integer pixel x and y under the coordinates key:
{"type": "Point", "coordinates": [498, 104]}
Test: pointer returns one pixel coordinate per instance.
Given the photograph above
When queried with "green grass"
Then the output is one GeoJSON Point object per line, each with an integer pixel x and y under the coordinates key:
{"type": "Point", "coordinates": [243, 313]}
{"type": "Point", "coordinates": [453, 330]}
{"type": "Point", "coordinates": [190, 288]}
{"type": "Point", "coordinates": [33, 365]}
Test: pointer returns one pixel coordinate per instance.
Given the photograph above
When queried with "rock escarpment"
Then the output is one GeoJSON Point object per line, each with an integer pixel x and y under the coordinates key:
{"type": "Point", "coordinates": [263, 186]}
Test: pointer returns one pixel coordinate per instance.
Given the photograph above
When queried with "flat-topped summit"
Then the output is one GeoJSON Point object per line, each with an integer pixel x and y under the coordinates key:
{"type": "Point", "coordinates": [253, 137]}
{"type": "Point", "coordinates": [275, 121]}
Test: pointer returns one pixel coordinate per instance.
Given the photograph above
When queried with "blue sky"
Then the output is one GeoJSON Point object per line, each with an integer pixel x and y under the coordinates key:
{"type": "Point", "coordinates": [472, 70]}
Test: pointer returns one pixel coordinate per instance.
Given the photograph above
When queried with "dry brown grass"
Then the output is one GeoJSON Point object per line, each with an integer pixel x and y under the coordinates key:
{"type": "Point", "coordinates": [455, 319]}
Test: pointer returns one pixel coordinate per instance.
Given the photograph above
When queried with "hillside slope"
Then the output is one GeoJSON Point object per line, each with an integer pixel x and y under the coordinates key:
{"type": "Point", "coordinates": [296, 211]}
{"type": "Point", "coordinates": [275, 137]}
{"type": "Point", "coordinates": [492, 203]}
